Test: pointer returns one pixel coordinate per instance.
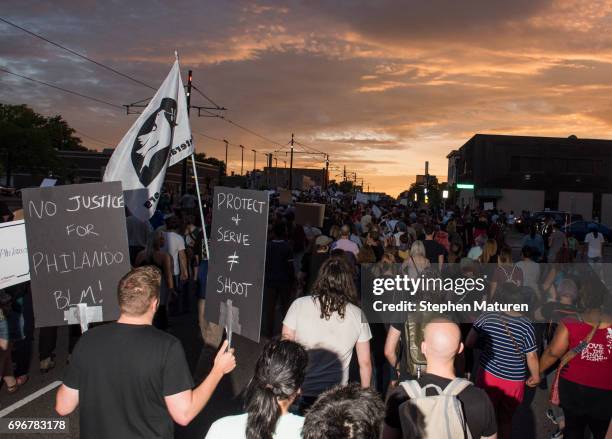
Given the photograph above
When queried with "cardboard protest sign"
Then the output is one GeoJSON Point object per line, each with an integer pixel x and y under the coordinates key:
{"type": "Point", "coordinates": [285, 197]}
{"type": "Point", "coordinates": [14, 267]}
{"type": "Point", "coordinates": [237, 260]}
{"type": "Point", "coordinates": [309, 214]}
{"type": "Point", "coordinates": [77, 250]}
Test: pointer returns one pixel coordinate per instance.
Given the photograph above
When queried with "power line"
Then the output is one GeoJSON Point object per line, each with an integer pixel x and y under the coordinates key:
{"type": "Point", "coordinates": [62, 89]}
{"type": "Point", "coordinates": [310, 147]}
{"type": "Point", "coordinates": [82, 134]}
{"type": "Point", "coordinates": [124, 75]}
{"type": "Point", "coordinates": [99, 64]}
{"type": "Point", "coordinates": [207, 98]}
{"type": "Point", "coordinates": [207, 136]}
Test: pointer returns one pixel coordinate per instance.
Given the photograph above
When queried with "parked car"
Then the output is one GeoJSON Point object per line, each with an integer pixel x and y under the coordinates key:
{"type": "Point", "coordinates": [581, 228]}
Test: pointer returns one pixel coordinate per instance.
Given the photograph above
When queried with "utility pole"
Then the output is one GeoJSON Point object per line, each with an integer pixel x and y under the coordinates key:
{"type": "Point", "coordinates": [275, 171]}
{"type": "Point", "coordinates": [291, 166]}
{"type": "Point", "coordinates": [226, 164]}
{"type": "Point", "coordinates": [426, 196]}
{"type": "Point", "coordinates": [241, 160]}
{"type": "Point", "coordinates": [184, 172]}
{"type": "Point", "coordinates": [344, 174]}
{"type": "Point", "coordinates": [326, 170]}
{"type": "Point", "coordinates": [254, 159]}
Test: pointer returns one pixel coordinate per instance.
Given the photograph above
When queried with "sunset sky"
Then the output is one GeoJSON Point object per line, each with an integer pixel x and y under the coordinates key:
{"type": "Point", "coordinates": [381, 86]}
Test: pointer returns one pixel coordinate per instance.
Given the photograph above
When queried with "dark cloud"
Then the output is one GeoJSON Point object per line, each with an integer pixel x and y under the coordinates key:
{"type": "Point", "coordinates": [380, 86]}
{"type": "Point", "coordinates": [404, 21]}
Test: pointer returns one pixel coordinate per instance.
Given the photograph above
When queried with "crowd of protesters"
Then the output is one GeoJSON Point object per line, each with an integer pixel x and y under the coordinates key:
{"type": "Point", "coordinates": [325, 372]}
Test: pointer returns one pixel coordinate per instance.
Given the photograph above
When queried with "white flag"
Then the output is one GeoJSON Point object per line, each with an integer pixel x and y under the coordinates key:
{"type": "Point", "coordinates": [140, 160]}
{"type": "Point", "coordinates": [182, 144]}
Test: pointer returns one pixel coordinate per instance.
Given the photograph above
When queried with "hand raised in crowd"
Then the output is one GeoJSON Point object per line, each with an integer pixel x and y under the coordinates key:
{"type": "Point", "coordinates": [225, 361]}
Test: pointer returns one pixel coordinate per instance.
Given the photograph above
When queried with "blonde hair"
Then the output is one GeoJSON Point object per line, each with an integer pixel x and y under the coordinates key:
{"type": "Point", "coordinates": [489, 250]}
{"type": "Point", "coordinates": [138, 289]}
{"type": "Point", "coordinates": [417, 249]}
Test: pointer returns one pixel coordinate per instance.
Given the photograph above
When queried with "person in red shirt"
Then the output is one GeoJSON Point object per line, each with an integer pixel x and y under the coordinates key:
{"type": "Point", "coordinates": [585, 383]}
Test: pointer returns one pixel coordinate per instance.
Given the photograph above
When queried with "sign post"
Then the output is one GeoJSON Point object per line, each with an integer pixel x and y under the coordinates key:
{"type": "Point", "coordinates": [77, 251]}
{"type": "Point", "coordinates": [237, 261]}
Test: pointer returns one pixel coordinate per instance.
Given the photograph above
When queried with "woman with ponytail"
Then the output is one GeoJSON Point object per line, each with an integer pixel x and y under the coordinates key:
{"type": "Point", "coordinates": [279, 374]}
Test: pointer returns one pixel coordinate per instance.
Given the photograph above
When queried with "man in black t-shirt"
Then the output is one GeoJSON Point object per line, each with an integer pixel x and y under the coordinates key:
{"type": "Point", "coordinates": [434, 251]}
{"type": "Point", "coordinates": [442, 342]}
{"type": "Point", "coordinates": [131, 380]}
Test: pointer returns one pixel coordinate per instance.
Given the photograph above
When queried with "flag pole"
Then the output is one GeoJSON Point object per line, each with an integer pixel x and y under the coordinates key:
{"type": "Point", "coordinates": [197, 185]}
{"type": "Point", "coordinates": [195, 170]}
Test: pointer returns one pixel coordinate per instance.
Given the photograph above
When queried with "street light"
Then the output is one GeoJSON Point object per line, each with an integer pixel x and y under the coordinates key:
{"type": "Point", "coordinates": [241, 160]}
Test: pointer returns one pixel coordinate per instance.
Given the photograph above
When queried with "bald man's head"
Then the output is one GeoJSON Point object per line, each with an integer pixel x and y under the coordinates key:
{"type": "Point", "coordinates": [442, 340]}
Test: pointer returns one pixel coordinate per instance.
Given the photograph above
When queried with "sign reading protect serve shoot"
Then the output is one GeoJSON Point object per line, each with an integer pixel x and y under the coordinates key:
{"type": "Point", "coordinates": [234, 290]}
{"type": "Point", "coordinates": [77, 249]}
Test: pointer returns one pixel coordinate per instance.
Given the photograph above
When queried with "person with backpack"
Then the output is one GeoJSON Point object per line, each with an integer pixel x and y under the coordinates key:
{"type": "Point", "coordinates": [406, 334]}
{"type": "Point", "coordinates": [509, 352]}
{"type": "Point", "coordinates": [438, 404]}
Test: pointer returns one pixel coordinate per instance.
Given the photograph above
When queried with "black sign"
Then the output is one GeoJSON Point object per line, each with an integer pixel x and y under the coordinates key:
{"type": "Point", "coordinates": [77, 249]}
{"type": "Point", "coordinates": [234, 290]}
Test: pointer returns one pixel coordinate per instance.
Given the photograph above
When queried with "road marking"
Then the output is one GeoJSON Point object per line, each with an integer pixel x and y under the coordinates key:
{"type": "Point", "coordinates": [29, 398]}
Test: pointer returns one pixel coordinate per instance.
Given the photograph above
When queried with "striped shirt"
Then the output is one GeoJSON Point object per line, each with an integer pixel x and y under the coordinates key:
{"type": "Point", "coordinates": [500, 356]}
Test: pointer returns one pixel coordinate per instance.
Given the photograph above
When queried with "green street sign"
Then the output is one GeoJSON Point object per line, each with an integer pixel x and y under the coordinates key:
{"type": "Point", "coordinates": [465, 186]}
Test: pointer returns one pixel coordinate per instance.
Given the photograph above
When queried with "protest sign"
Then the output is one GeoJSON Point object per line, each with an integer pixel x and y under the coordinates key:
{"type": "Point", "coordinates": [285, 197]}
{"type": "Point", "coordinates": [48, 182]}
{"type": "Point", "coordinates": [376, 211]}
{"type": "Point", "coordinates": [14, 268]}
{"type": "Point", "coordinates": [237, 260]}
{"type": "Point", "coordinates": [488, 205]}
{"type": "Point", "coordinates": [404, 202]}
{"type": "Point", "coordinates": [309, 214]}
{"type": "Point", "coordinates": [362, 198]}
{"type": "Point", "coordinates": [77, 250]}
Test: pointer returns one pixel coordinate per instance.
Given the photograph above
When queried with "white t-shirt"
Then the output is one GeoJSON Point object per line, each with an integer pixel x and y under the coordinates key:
{"type": "Point", "coordinates": [289, 426]}
{"type": "Point", "coordinates": [173, 244]}
{"type": "Point", "coordinates": [594, 244]}
{"type": "Point", "coordinates": [329, 343]}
